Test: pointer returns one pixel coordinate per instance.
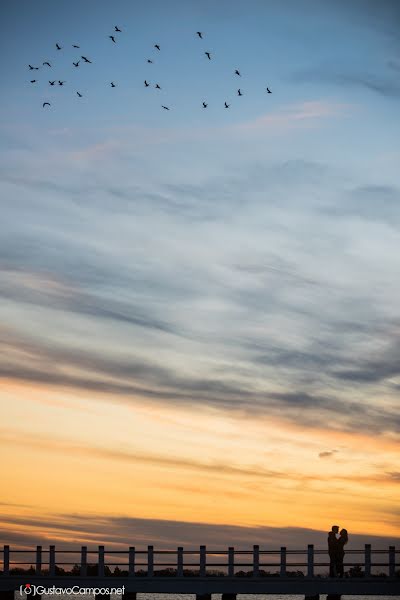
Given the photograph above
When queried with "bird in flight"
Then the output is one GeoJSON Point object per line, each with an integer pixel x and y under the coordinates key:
{"type": "Point", "coordinates": [80, 95]}
{"type": "Point", "coordinates": [47, 63]}
{"type": "Point", "coordinates": [86, 59]}
{"type": "Point", "coordinates": [52, 82]}
{"type": "Point", "coordinates": [33, 68]}
{"type": "Point", "coordinates": [227, 105]}
{"type": "Point", "coordinates": [157, 46]}
{"type": "Point", "coordinates": [165, 107]}
{"type": "Point", "coordinates": [33, 80]}
{"type": "Point", "coordinates": [112, 38]}
{"type": "Point", "coordinates": [146, 84]}
{"type": "Point", "coordinates": [58, 47]}
{"type": "Point", "coordinates": [113, 84]}
{"type": "Point", "coordinates": [75, 46]}
{"type": "Point", "coordinates": [46, 104]}
{"type": "Point", "coordinates": [76, 64]}
{"type": "Point", "coordinates": [239, 92]}
{"type": "Point", "coordinates": [208, 55]}
{"type": "Point", "coordinates": [61, 82]}
{"type": "Point", "coordinates": [205, 105]}
{"type": "Point", "coordinates": [149, 61]}
{"type": "Point", "coordinates": [117, 29]}
{"type": "Point", "coordinates": [157, 86]}
{"type": "Point", "coordinates": [199, 34]}
{"type": "Point", "coordinates": [269, 91]}
{"type": "Point", "coordinates": [237, 73]}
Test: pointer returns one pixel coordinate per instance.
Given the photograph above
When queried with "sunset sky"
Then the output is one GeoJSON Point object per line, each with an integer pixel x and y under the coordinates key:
{"type": "Point", "coordinates": [199, 308]}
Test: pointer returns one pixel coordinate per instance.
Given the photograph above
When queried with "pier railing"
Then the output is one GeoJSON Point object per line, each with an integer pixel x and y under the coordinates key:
{"type": "Point", "coordinates": [201, 562]}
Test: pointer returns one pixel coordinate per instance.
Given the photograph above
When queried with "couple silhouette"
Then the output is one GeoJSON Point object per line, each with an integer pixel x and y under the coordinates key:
{"type": "Point", "coordinates": [336, 550]}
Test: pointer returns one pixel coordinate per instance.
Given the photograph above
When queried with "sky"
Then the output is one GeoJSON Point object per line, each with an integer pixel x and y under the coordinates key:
{"type": "Point", "coordinates": [199, 322]}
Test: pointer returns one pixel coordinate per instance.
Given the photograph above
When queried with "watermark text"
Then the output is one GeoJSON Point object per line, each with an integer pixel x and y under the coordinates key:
{"type": "Point", "coordinates": [75, 590]}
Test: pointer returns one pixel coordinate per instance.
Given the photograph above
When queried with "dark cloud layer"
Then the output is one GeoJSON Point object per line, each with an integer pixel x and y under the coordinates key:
{"type": "Point", "coordinates": [119, 531]}
{"type": "Point", "coordinates": [134, 378]}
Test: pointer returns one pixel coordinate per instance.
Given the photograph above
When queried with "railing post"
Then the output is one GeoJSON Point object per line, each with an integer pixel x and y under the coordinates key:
{"type": "Point", "coordinates": [256, 561]}
{"type": "Point", "coordinates": [392, 561]}
{"type": "Point", "coordinates": [6, 560]}
{"type": "Point", "coordinates": [202, 570]}
{"type": "Point", "coordinates": [179, 562]}
{"type": "Point", "coordinates": [310, 560]}
{"type": "Point", "coordinates": [38, 569]}
{"type": "Point", "coordinates": [367, 560]}
{"type": "Point", "coordinates": [83, 561]}
{"type": "Point", "coordinates": [283, 562]}
{"type": "Point", "coordinates": [52, 560]}
{"type": "Point", "coordinates": [231, 561]}
{"type": "Point", "coordinates": [150, 561]}
{"type": "Point", "coordinates": [100, 571]}
{"type": "Point", "coordinates": [131, 561]}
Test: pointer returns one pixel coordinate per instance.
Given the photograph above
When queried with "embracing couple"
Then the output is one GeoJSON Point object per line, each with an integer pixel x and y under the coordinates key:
{"type": "Point", "coordinates": [336, 550]}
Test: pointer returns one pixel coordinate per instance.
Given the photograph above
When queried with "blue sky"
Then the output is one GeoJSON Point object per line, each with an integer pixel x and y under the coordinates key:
{"type": "Point", "coordinates": [242, 260]}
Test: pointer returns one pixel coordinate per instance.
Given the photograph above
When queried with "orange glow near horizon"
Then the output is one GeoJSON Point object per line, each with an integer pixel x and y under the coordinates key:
{"type": "Point", "coordinates": [141, 460]}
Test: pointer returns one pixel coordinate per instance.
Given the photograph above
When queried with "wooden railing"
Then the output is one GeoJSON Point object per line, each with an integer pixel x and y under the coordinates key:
{"type": "Point", "coordinates": [200, 562]}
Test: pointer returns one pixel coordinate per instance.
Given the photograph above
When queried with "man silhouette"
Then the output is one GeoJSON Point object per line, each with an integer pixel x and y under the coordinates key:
{"type": "Point", "coordinates": [332, 549]}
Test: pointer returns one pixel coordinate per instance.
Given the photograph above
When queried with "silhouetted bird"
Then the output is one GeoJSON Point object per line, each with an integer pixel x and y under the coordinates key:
{"type": "Point", "coordinates": [199, 34]}
{"type": "Point", "coordinates": [165, 107]}
{"type": "Point", "coordinates": [146, 84]}
{"type": "Point", "coordinates": [47, 63]}
{"type": "Point", "coordinates": [33, 68]}
{"type": "Point", "coordinates": [269, 91]}
{"type": "Point", "coordinates": [52, 82]}
{"type": "Point", "coordinates": [208, 55]}
{"type": "Point", "coordinates": [33, 80]}
{"type": "Point", "coordinates": [205, 105]}
{"type": "Point", "coordinates": [237, 73]}
{"type": "Point", "coordinates": [112, 84]}
{"type": "Point", "coordinates": [239, 92]}
{"type": "Point", "coordinates": [157, 86]}
{"type": "Point", "coordinates": [149, 61]}
{"type": "Point", "coordinates": [227, 105]}
{"type": "Point", "coordinates": [117, 29]}
{"type": "Point", "coordinates": [46, 104]}
{"type": "Point", "coordinates": [80, 95]}
{"type": "Point", "coordinates": [76, 64]}
{"type": "Point", "coordinates": [58, 47]}
{"type": "Point", "coordinates": [75, 46]}
{"type": "Point", "coordinates": [86, 59]}
{"type": "Point", "coordinates": [112, 38]}
{"type": "Point", "coordinates": [157, 46]}
{"type": "Point", "coordinates": [61, 82]}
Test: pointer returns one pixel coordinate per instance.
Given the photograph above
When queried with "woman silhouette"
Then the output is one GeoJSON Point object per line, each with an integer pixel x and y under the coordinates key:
{"type": "Point", "coordinates": [342, 541]}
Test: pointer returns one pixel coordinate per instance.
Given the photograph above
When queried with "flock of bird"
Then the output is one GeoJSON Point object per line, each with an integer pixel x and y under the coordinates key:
{"type": "Point", "coordinates": [113, 39]}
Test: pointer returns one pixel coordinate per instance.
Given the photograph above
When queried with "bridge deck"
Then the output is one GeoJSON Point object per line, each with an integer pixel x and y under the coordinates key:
{"type": "Point", "coordinates": [217, 585]}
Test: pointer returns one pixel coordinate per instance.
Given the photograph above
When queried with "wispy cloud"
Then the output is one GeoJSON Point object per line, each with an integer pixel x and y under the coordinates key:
{"type": "Point", "coordinates": [384, 85]}
{"type": "Point", "coordinates": [327, 453]}
{"type": "Point", "coordinates": [123, 379]}
{"type": "Point", "coordinates": [305, 114]}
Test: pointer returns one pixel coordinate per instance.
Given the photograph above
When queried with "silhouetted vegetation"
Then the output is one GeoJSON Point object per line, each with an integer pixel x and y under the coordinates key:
{"type": "Point", "coordinates": [356, 571]}
{"type": "Point", "coordinates": [92, 570]}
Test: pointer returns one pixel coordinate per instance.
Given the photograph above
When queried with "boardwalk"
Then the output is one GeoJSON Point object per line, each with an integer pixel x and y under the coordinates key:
{"type": "Point", "coordinates": [202, 572]}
